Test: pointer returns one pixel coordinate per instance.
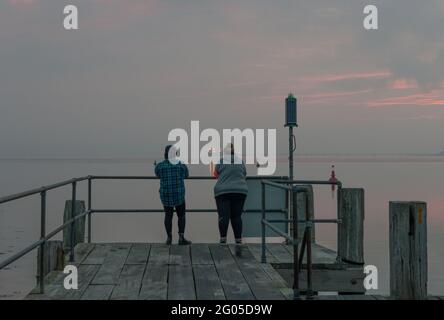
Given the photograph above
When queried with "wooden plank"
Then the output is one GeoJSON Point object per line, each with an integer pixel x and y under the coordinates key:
{"type": "Point", "coordinates": [154, 283]}
{"type": "Point", "coordinates": [112, 265]}
{"type": "Point", "coordinates": [256, 250]}
{"type": "Point", "coordinates": [260, 283]}
{"type": "Point", "coordinates": [181, 283]}
{"type": "Point", "coordinates": [56, 290]}
{"type": "Point", "coordinates": [233, 282]}
{"type": "Point", "coordinates": [81, 251]}
{"type": "Point", "coordinates": [98, 292]}
{"type": "Point", "coordinates": [97, 254]}
{"type": "Point", "coordinates": [350, 280]}
{"type": "Point", "coordinates": [138, 253]}
{"type": "Point", "coordinates": [208, 285]}
{"type": "Point", "coordinates": [200, 254]}
{"type": "Point", "coordinates": [322, 257]}
{"type": "Point", "coordinates": [280, 253]}
{"type": "Point", "coordinates": [159, 254]}
{"type": "Point", "coordinates": [130, 282]}
{"type": "Point", "coordinates": [180, 255]}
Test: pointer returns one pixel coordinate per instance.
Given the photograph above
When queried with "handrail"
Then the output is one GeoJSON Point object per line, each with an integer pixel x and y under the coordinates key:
{"type": "Point", "coordinates": [273, 181]}
{"type": "Point", "coordinates": [71, 222]}
{"type": "Point", "coordinates": [40, 190]}
{"type": "Point", "coordinates": [293, 239]}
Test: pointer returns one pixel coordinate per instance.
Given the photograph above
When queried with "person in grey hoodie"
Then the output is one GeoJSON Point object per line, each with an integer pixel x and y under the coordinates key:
{"type": "Point", "coordinates": [230, 193]}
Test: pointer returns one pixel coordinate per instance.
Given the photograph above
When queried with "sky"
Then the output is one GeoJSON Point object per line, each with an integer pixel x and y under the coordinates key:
{"type": "Point", "coordinates": [137, 69]}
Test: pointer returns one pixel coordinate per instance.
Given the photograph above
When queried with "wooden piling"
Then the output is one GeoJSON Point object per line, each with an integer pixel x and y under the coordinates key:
{"type": "Point", "coordinates": [351, 244]}
{"type": "Point", "coordinates": [53, 257]}
{"type": "Point", "coordinates": [408, 250]}
{"type": "Point", "coordinates": [79, 232]}
{"type": "Point", "coordinates": [305, 201]}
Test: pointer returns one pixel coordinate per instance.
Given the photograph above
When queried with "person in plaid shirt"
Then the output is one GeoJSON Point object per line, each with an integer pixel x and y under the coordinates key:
{"type": "Point", "coordinates": [172, 173]}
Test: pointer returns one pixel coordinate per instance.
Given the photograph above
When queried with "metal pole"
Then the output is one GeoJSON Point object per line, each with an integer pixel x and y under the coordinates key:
{"type": "Point", "coordinates": [296, 291]}
{"type": "Point", "coordinates": [290, 170]}
{"type": "Point", "coordinates": [73, 207]}
{"type": "Point", "coordinates": [339, 214]}
{"type": "Point", "coordinates": [89, 209]}
{"type": "Point", "coordinates": [264, 257]}
{"type": "Point", "coordinates": [308, 229]}
{"type": "Point", "coordinates": [42, 245]}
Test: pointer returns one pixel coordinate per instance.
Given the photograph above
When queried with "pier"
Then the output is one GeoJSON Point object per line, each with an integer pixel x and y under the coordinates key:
{"type": "Point", "coordinates": [154, 271]}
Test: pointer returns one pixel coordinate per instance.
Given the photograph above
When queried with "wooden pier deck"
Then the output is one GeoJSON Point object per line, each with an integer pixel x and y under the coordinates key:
{"type": "Point", "coordinates": [201, 271]}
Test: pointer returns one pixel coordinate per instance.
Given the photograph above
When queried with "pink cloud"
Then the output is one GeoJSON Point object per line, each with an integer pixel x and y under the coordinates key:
{"type": "Point", "coordinates": [351, 76]}
{"type": "Point", "coordinates": [403, 84]}
{"type": "Point", "coordinates": [435, 98]}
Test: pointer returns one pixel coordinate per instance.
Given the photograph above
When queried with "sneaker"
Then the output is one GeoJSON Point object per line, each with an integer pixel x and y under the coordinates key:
{"type": "Point", "coordinates": [223, 241]}
{"type": "Point", "coordinates": [183, 241]}
{"type": "Point", "coordinates": [169, 241]}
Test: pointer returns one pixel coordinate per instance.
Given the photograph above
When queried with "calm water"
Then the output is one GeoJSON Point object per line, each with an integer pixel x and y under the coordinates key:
{"type": "Point", "coordinates": [384, 179]}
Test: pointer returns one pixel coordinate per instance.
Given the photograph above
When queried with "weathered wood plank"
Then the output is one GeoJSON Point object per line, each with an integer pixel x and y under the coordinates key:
{"type": "Point", "coordinates": [259, 282]}
{"type": "Point", "coordinates": [256, 250]}
{"type": "Point", "coordinates": [322, 257]}
{"type": "Point", "coordinates": [56, 290]}
{"type": "Point", "coordinates": [130, 282]}
{"type": "Point", "coordinates": [112, 265]}
{"type": "Point", "coordinates": [350, 280]}
{"type": "Point", "coordinates": [154, 283]}
{"type": "Point", "coordinates": [200, 254]}
{"type": "Point", "coordinates": [180, 255]}
{"type": "Point", "coordinates": [81, 251]}
{"type": "Point", "coordinates": [280, 253]}
{"type": "Point", "coordinates": [159, 254]}
{"type": "Point", "coordinates": [138, 253]}
{"type": "Point", "coordinates": [97, 254]}
{"type": "Point", "coordinates": [233, 282]}
{"type": "Point", "coordinates": [98, 292]}
{"type": "Point", "coordinates": [208, 285]}
{"type": "Point", "coordinates": [181, 283]}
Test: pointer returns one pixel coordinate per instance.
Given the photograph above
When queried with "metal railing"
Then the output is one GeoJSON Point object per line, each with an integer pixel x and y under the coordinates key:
{"type": "Point", "coordinates": [298, 257]}
{"type": "Point", "coordinates": [44, 237]}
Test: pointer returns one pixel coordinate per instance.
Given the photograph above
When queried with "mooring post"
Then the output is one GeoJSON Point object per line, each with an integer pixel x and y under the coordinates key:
{"type": "Point", "coordinates": [408, 250]}
{"type": "Point", "coordinates": [305, 205]}
{"type": "Point", "coordinates": [351, 227]}
{"type": "Point", "coordinates": [78, 234]}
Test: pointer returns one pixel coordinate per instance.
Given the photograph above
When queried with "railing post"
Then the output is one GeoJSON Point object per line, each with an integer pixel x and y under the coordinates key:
{"type": "Point", "coordinates": [72, 231]}
{"type": "Point", "coordinates": [296, 291]}
{"type": "Point", "coordinates": [264, 257]}
{"type": "Point", "coordinates": [42, 245]}
{"type": "Point", "coordinates": [308, 230]}
{"type": "Point", "coordinates": [339, 216]}
{"type": "Point", "coordinates": [89, 209]}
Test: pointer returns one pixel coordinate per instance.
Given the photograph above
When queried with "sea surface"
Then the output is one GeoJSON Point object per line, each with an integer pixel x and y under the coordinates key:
{"type": "Point", "coordinates": [384, 178]}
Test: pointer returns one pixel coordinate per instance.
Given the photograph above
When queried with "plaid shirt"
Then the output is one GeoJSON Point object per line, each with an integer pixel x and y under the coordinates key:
{"type": "Point", "coordinates": [172, 187]}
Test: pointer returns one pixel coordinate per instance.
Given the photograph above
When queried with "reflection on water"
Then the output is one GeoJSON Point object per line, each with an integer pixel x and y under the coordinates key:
{"type": "Point", "coordinates": [384, 179]}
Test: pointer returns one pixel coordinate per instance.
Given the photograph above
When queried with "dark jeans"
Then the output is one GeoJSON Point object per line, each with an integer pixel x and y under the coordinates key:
{"type": "Point", "coordinates": [169, 211]}
{"type": "Point", "coordinates": [229, 208]}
